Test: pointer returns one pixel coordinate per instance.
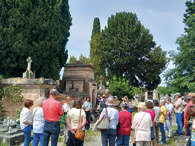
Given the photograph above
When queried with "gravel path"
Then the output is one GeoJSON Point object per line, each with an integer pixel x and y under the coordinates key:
{"type": "Point", "coordinates": [93, 141]}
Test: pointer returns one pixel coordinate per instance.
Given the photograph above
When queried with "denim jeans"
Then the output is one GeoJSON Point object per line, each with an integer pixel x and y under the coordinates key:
{"type": "Point", "coordinates": [122, 140]}
{"type": "Point", "coordinates": [87, 125]}
{"type": "Point", "coordinates": [72, 141]}
{"type": "Point", "coordinates": [36, 138]}
{"type": "Point", "coordinates": [156, 129]}
{"type": "Point", "coordinates": [108, 136]}
{"type": "Point", "coordinates": [162, 130]}
{"type": "Point", "coordinates": [179, 123]}
{"type": "Point", "coordinates": [27, 135]}
{"type": "Point", "coordinates": [51, 129]}
{"type": "Point", "coordinates": [169, 126]}
{"type": "Point", "coordinates": [152, 133]}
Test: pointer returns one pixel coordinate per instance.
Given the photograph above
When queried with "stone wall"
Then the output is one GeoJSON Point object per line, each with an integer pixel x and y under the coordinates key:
{"type": "Point", "coordinates": [11, 109]}
{"type": "Point", "coordinates": [31, 89]}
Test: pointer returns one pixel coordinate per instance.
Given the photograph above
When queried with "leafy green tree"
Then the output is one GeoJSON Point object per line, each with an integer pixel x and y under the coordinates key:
{"type": "Point", "coordinates": [182, 77]}
{"type": "Point", "coordinates": [120, 87]}
{"type": "Point", "coordinates": [164, 91]}
{"type": "Point", "coordinates": [95, 51]}
{"type": "Point", "coordinates": [72, 60]}
{"type": "Point", "coordinates": [128, 50]}
{"type": "Point", "coordinates": [155, 65]}
{"type": "Point", "coordinates": [35, 28]}
{"type": "Point", "coordinates": [82, 60]}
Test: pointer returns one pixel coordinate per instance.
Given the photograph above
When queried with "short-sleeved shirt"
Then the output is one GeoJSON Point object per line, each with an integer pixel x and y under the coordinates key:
{"type": "Point", "coordinates": [125, 120]}
{"type": "Point", "coordinates": [52, 110]}
{"type": "Point", "coordinates": [180, 107]}
{"type": "Point", "coordinates": [87, 105]}
{"type": "Point", "coordinates": [38, 120]}
{"type": "Point", "coordinates": [73, 114]}
{"type": "Point", "coordinates": [25, 116]}
{"type": "Point", "coordinates": [162, 114]}
{"type": "Point", "coordinates": [170, 109]}
{"type": "Point", "coordinates": [112, 115]}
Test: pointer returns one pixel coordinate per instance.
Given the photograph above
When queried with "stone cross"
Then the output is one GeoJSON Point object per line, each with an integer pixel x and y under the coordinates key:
{"type": "Point", "coordinates": [29, 61]}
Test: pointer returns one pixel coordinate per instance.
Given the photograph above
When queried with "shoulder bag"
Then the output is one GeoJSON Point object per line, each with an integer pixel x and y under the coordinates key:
{"type": "Point", "coordinates": [80, 134]}
{"type": "Point", "coordinates": [104, 122]}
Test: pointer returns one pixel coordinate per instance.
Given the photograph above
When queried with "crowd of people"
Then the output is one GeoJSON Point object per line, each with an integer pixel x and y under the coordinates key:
{"type": "Point", "coordinates": [147, 119]}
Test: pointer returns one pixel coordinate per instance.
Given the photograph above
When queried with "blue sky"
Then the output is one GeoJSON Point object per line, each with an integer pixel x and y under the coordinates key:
{"type": "Point", "coordinates": [164, 19]}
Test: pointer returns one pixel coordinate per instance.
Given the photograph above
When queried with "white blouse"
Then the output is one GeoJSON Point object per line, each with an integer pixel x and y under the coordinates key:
{"type": "Point", "coordinates": [38, 120]}
{"type": "Point", "coordinates": [73, 114]}
{"type": "Point", "coordinates": [25, 116]}
{"type": "Point", "coordinates": [142, 124]}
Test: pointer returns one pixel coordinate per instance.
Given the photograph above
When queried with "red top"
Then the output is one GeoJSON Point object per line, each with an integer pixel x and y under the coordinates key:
{"type": "Point", "coordinates": [185, 112]}
{"type": "Point", "coordinates": [125, 119]}
{"type": "Point", "coordinates": [52, 110]}
{"type": "Point", "coordinates": [152, 113]}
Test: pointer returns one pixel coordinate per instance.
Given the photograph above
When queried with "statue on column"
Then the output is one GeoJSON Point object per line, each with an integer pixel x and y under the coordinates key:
{"type": "Point", "coordinates": [28, 73]}
{"type": "Point", "coordinates": [29, 61]}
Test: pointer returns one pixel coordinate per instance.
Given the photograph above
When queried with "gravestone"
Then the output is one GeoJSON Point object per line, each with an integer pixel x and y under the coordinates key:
{"type": "Point", "coordinates": [10, 133]}
{"type": "Point", "coordinates": [181, 140]}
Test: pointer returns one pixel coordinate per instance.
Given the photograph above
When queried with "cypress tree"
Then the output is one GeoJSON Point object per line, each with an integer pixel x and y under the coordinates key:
{"type": "Point", "coordinates": [36, 28]}
{"type": "Point", "coordinates": [96, 27]}
{"type": "Point", "coordinates": [95, 50]}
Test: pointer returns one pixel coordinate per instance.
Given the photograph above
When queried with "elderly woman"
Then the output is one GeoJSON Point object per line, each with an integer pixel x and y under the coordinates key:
{"type": "Point", "coordinates": [124, 129]}
{"type": "Point", "coordinates": [142, 124]}
{"type": "Point", "coordinates": [38, 123]}
{"type": "Point", "coordinates": [73, 124]}
{"type": "Point", "coordinates": [26, 121]}
{"type": "Point", "coordinates": [109, 135]}
{"type": "Point", "coordinates": [162, 118]}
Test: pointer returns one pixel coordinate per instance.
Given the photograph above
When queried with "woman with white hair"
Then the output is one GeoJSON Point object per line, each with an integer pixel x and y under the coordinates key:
{"type": "Point", "coordinates": [109, 135]}
{"type": "Point", "coordinates": [142, 124]}
{"type": "Point", "coordinates": [38, 123]}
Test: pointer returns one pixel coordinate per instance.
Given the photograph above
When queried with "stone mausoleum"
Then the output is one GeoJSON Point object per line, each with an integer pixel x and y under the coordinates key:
{"type": "Point", "coordinates": [78, 81]}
